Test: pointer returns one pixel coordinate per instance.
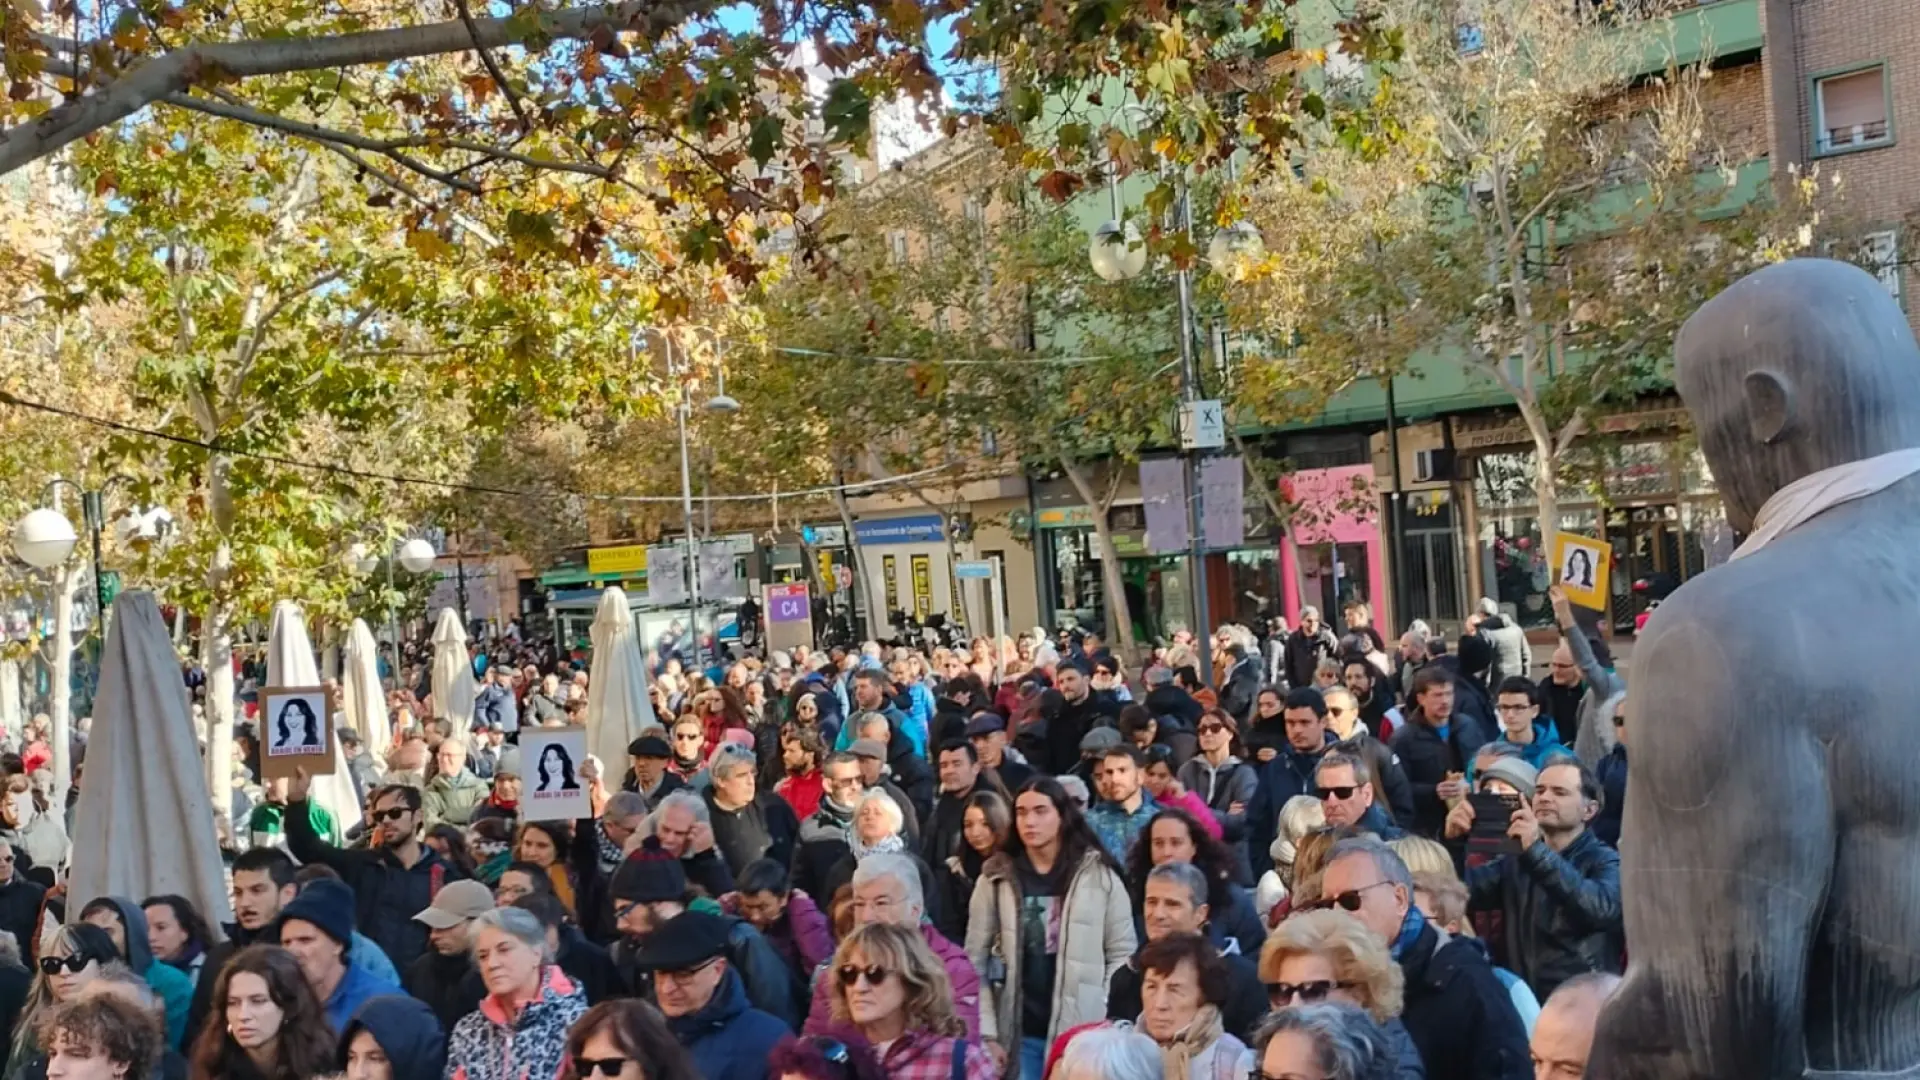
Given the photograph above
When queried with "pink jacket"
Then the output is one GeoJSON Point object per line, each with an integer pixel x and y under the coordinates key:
{"type": "Point", "coordinates": [966, 987]}
{"type": "Point", "coordinates": [1195, 805]}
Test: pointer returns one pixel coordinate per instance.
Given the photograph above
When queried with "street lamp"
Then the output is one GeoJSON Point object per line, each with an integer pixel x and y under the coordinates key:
{"type": "Point", "coordinates": [720, 403]}
{"type": "Point", "coordinates": [1116, 255]}
{"type": "Point", "coordinates": [360, 559]}
{"type": "Point", "coordinates": [44, 538]}
{"type": "Point", "coordinates": [416, 556]}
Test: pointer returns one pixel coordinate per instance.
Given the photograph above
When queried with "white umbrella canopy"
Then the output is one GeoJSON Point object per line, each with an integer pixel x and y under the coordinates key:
{"type": "Point", "coordinates": [290, 663]}
{"type": "Point", "coordinates": [453, 686]}
{"type": "Point", "coordinates": [362, 697]}
{"type": "Point", "coordinates": [618, 708]}
{"type": "Point", "coordinates": [144, 825]}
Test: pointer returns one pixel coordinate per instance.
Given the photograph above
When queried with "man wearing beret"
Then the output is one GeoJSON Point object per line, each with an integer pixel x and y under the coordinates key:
{"type": "Point", "coordinates": [704, 1000]}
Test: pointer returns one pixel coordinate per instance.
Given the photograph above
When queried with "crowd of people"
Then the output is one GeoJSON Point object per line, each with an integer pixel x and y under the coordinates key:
{"type": "Point", "coordinates": [1328, 857]}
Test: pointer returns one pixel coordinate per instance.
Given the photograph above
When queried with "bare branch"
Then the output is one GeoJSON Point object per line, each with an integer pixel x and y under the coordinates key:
{"type": "Point", "coordinates": [493, 69]}
{"type": "Point", "coordinates": [298, 129]}
{"type": "Point", "coordinates": [176, 71]}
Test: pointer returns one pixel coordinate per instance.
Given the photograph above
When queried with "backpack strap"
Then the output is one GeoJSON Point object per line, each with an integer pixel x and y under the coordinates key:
{"type": "Point", "coordinates": [959, 1060]}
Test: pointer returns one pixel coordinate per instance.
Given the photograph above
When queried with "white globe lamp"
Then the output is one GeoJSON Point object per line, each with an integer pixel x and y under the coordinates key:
{"type": "Point", "coordinates": [361, 560]}
{"type": "Point", "coordinates": [416, 556]}
{"type": "Point", "coordinates": [44, 538]}
{"type": "Point", "coordinates": [1117, 252]}
{"type": "Point", "coordinates": [1233, 247]}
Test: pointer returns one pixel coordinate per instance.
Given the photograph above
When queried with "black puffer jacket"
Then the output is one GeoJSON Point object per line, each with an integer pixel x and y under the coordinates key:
{"type": "Point", "coordinates": [1561, 909]}
{"type": "Point", "coordinates": [1459, 1015]}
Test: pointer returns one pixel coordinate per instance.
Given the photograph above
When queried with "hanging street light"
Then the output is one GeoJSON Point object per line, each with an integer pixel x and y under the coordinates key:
{"type": "Point", "coordinates": [416, 556]}
{"type": "Point", "coordinates": [44, 538]}
{"type": "Point", "coordinates": [1233, 248]}
{"type": "Point", "coordinates": [1117, 251]}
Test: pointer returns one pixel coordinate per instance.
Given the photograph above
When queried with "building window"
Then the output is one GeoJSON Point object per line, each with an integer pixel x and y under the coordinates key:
{"type": "Point", "coordinates": [1880, 256]}
{"type": "Point", "coordinates": [897, 241]}
{"type": "Point", "coordinates": [1850, 111]}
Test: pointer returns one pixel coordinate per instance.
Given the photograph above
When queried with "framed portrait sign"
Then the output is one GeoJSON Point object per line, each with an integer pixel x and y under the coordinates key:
{"type": "Point", "coordinates": [296, 731]}
{"type": "Point", "coordinates": [551, 785]}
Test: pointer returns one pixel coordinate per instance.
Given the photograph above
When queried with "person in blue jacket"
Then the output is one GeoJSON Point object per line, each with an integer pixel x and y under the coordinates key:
{"type": "Point", "coordinates": [704, 1000]}
{"type": "Point", "coordinates": [126, 922]}
{"type": "Point", "coordinates": [317, 928]}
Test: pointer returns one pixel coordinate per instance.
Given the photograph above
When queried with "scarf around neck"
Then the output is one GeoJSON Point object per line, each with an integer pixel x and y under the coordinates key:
{"type": "Point", "coordinates": [1176, 1056]}
{"type": "Point", "coordinates": [886, 845]}
{"type": "Point", "coordinates": [1815, 493]}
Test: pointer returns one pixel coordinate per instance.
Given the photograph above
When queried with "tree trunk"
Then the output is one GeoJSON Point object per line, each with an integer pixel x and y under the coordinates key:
{"type": "Point", "coordinates": [61, 711]}
{"type": "Point", "coordinates": [1290, 545]}
{"type": "Point", "coordinates": [1546, 490]}
{"type": "Point", "coordinates": [216, 654]}
{"type": "Point", "coordinates": [1120, 615]}
{"type": "Point", "coordinates": [10, 700]}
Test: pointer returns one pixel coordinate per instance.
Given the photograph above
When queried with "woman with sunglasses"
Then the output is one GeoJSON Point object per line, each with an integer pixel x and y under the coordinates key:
{"type": "Point", "coordinates": [1328, 955]}
{"type": "Point", "coordinates": [76, 957]}
{"type": "Point", "coordinates": [887, 983]}
{"type": "Point", "coordinates": [269, 1025]}
{"type": "Point", "coordinates": [1050, 922]}
{"type": "Point", "coordinates": [626, 1039]}
{"type": "Point", "coordinates": [1173, 835]}
{"type": "Point", "coordinates": [1218, 777]}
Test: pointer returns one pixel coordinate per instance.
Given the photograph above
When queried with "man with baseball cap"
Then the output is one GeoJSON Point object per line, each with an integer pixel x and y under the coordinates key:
{"type": "Point", "coordinates": [444, 977]}
{"type": "Point", "coordinates": [317, 928]}
{"type": "Point", "coordinates": [650, 893]}
{"type": "Point", "coordinates": [987, 731]}
{"type": "Point", "coordinates": [704, 999]}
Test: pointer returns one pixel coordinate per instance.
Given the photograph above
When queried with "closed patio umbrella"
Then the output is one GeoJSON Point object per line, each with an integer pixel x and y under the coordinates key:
{"type": "Point", "coordinates": [290, 663]}
{"type": "Point", "coordinates": [618, 708]}
{"type": "Point", "coordinates": [453, 685]}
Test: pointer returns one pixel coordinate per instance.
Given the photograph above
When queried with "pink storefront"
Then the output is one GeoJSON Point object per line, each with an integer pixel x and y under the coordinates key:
{"type": "Point", "coordinates": [1337, 528]}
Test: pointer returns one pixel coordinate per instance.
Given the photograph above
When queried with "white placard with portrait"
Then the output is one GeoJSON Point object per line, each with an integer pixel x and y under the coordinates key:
{"type": "Point", "coordinates": [553, 786]}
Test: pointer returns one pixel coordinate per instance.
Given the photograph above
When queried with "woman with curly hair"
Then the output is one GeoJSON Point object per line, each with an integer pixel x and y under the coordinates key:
{"type": "Point", "coordinates": [101, 1035]}
{"type": "Point", "coordinates": [835, 1052]}
{"type": "Point", "coordinates": [887, 983]}
{"type": "Point", "coordinates": [269, 1027]}
{"type": "Point", "coordinates": [1330, 956]}
{"type": "Point", "coordinates": [1173, 835]}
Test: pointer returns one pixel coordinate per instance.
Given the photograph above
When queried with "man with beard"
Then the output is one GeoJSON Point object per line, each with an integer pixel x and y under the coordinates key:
{"type": "Point", "coordinates": [1373, 694]}
{"type": "Point", "coordinates": [823, 837]}
{"type": "Point", "coordinates": [1079, 713]}
{"type": "Point", "coordinates": [392, 880]}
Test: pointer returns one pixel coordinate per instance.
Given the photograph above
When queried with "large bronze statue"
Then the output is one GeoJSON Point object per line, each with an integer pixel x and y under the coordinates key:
{"type": "Point", "coordinates": [1771, 852]}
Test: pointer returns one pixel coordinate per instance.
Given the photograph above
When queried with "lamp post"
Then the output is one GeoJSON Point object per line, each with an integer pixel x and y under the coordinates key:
{"type": "Point", "coordinates": [720, 403]}
{"type": "Point", "coordinates": [1117, 254]}
{"type": "Point", "coordinates": [415, 556]}
{"type": "Point", "coordinates": [45, 540]}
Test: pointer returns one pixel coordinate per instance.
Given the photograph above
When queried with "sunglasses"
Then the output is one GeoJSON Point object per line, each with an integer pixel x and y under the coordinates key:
{"type": "Point", "coordinates": [1212, 729]}
{"type": "Point", "coordinates": [1346, 901]}
{"type": "Point", "coordinates": [1340, 793]}
{"type": "Point", "coordinates": [585, 1067]}
{"type": "Point", "coordinates": [1311, 992]}
{"type": "Point", "coordinates": [72, 965]}
{"type": "Point", "coordinates": [875, 976]}
{"type": "Point", "coordinates": [391, 813]}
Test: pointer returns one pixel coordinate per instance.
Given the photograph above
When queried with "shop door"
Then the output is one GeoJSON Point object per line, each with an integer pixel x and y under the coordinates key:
{"type": "Point", "coordinates": [1648, 561]}
{"type": "Point", "coordinates": [1431, 577]}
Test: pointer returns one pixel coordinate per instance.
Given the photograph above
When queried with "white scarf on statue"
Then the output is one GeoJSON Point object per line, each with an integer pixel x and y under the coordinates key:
{"type": "Point", "coordinates": [1814, 494]}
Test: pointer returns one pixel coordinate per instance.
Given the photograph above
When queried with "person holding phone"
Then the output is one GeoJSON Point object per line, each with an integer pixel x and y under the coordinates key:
{"type": "Point", "coordinates": [1559, 896]}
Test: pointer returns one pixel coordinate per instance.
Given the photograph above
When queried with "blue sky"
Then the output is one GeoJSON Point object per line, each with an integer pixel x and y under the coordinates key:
{"type": "Point", "coordinates": [742, 18]}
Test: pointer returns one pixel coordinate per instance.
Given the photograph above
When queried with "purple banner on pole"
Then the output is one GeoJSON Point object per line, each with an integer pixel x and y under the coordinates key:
{"type": "Point", "coordinates": [1223, 522]}
{"type": "Point", "coordinates": [1163, 490]}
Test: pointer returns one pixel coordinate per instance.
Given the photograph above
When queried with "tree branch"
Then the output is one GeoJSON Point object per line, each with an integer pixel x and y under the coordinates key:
{"type": "Point", "coordinates": [493, 69]}
{"type": "Point", "coordinates": [176, 71]}
{"type": "Point", "coordinates": [300, 130]}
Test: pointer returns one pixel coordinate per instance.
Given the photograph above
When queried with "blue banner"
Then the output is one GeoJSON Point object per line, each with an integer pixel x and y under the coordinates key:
{"type": "Point", "coordinates": [917, 529]}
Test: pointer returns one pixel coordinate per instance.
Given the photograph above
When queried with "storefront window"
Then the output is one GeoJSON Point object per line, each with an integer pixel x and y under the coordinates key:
{"type": "Point", "coordinates": [1255, 580]}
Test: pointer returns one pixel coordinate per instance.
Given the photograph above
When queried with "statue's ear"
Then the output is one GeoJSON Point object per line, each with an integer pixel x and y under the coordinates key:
{"type": "Point", "coordinates": [1769, 406]}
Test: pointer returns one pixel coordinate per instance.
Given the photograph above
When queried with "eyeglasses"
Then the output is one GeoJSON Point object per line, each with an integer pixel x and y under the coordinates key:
{"type": "Point", "coordinates": [1311, 992]}
{"type": "Point", "coordinates": [391, 813]}
{"type": "Point", "coordinates": [1338, 794]}
{"type": "Point", "coordinates": [1512, 709]}
{"type": "Point", "coordinates": [875, 976]}
{"type": "Point", "coordinates": [72, 965]}
{"type": "Point", "coordinates": [613, 1066]}
{"type": "Point", "coordinates": [687, 974]}
{"type": "Point", "coordinates": [1346, 901]}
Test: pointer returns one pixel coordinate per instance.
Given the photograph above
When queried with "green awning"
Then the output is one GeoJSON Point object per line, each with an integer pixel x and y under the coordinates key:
{"type": "Point", "coordinates": [579, 576]}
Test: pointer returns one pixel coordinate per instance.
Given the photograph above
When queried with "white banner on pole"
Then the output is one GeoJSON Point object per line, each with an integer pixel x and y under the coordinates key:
{"type": "Point", "coordinates": [716, 570]}
{"type": "Point", "coordinates": [666, 575]}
